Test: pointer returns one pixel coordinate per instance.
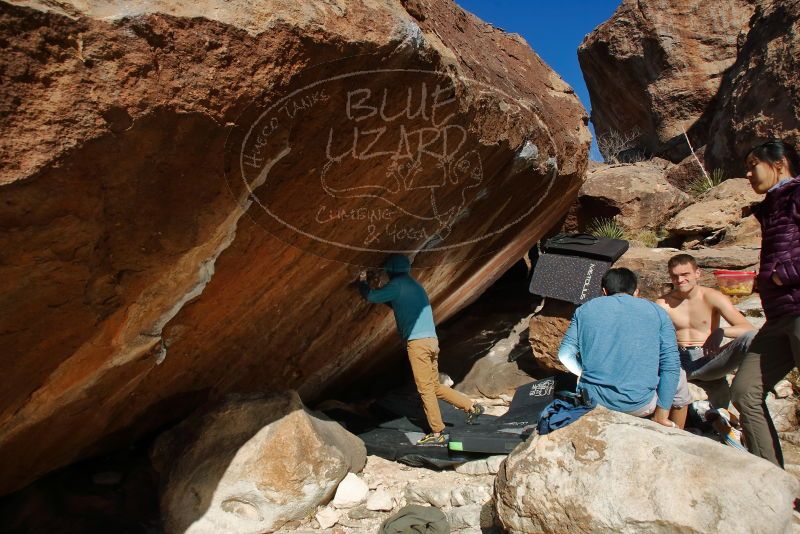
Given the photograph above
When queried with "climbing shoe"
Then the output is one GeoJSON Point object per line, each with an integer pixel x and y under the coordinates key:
{"type": "Point", "coordinates": [433, 439]}
{"type": "Point", "coordinates": [473, 414]}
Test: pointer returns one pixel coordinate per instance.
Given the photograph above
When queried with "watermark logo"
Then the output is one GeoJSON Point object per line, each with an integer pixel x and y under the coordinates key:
{"type": "Point", "coordinates": [356, 164]}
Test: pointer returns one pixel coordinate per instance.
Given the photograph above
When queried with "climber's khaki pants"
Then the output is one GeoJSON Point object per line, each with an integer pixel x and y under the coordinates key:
{"type": "Point", "coordinates": [423, 355]}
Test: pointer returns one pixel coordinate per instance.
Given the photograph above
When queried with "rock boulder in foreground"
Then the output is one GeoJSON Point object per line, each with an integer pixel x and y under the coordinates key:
{"type": "Point", "coordinates": [251, 465]}
{"type": "Point", "coordinates": [610, 472]}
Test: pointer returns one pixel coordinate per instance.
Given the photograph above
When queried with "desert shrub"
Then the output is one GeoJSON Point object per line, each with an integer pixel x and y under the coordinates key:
{"type": "Point", "coordinates": [703, 183]}
{"type": "Point", "coordinates": [605, 227]}
{"type": "Point", "coordinates": [618, 147]}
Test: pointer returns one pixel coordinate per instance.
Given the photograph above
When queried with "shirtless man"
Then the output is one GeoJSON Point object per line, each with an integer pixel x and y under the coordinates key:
{"type": "Point", "coordinates": [695, 312]}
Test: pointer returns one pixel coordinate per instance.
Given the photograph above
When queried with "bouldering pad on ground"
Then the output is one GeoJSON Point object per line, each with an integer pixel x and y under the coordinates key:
{"type": "Point", "coordinates": [502, 435]}
{"type": "Point", "coordinates": [396, 439]}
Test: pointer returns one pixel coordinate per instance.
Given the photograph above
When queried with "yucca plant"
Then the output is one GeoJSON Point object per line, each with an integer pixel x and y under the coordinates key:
{"type": "Point", "coordinates": [606, 227]}
{"type": "Point", "coordinates": [706, 182]}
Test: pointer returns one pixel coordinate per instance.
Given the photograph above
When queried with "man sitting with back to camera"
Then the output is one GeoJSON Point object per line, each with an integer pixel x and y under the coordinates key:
{"type": "Point", "coordinates": [624, 352]}
{"type": "Point", "coordinates": [695, 312]}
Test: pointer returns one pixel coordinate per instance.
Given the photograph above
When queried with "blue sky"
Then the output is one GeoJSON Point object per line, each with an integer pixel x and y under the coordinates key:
{"type": "Point", "coordinates": [553, 29]}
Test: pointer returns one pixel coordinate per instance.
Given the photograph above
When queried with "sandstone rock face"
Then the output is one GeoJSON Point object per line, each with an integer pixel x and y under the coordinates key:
{"type": "Point", "coordinates": [722, 207]}
{"type": "Point", "coordinates": [745, 234]}
{"type": "Point", "coordinates": [682, 174]}
{"type": "Point", "coordinates": [177, 220]}
{"type": "Point", "coordinates": [610, 472]}
{"type": "Point", "coordinates": [251, 465]}
{"type": "Point", "coordinates": [546, 330]}
{"type": "Point", "coordinates": [493, 375]}
{"type": "Point", "coordinates": [736, 258]}
{"type": "Point", "coordinates": [651, 265]}
{"type": "Point", "coordinates": [656, 66]}
{"type": "Point", "coordinates": [637, 195]}
{"type": "Point", "coordinates": [759, 98]}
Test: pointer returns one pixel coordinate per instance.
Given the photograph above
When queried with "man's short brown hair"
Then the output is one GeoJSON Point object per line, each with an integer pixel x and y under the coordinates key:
{"type": "Point", "coordinates": [681, 259]}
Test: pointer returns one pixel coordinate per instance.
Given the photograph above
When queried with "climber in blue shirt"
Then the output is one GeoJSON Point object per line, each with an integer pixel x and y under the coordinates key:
{"type": "Point", "coordinates": [414, 319]}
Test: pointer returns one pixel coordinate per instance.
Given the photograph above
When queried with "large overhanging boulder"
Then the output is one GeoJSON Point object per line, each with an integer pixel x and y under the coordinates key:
{"type": "Point", "coordinates": [188, 191]}
{"type": "Point", "coordinates": [654, 69]}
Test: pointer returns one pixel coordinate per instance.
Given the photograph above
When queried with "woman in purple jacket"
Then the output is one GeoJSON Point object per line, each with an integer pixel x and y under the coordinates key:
{"type": "Point", "coordinates": [772, 168]}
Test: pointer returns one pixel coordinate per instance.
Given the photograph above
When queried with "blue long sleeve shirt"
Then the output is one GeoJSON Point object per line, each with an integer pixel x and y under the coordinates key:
{"type": "Point", "coordinates": [627, 349]}
{"type": "Point", "coordinates": [407, 298]}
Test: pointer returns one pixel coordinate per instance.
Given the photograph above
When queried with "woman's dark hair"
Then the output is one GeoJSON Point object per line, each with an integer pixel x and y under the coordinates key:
{"type": "Point", "coordinates": [774, 150]}
{"type": "Point", "coordinates": [620, 280]}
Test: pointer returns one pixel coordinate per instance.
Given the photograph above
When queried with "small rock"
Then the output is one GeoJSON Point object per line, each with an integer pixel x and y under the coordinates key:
{"type": "Point", "coordinates": [483, 466]}
{"type": "Point", "coordinates": [494, 463]}
{"type": "Point", "coordinates": [475, 467]}
{"type": "Point", "coordinates": [360, 525]}
{"type": "Point", "coordinates": [380, 500]}
{"type": "Point", "coordinates": [362, 512]}
{"type": "Point", "coordinates": [351, 492]}
{"type": "Point", "coordinates": [697, 392]}
{"type": "Point", "coordinates": [437, 496]}
{"type": "Point", "coordinates": [461, 517]}
{"type": "Point", "coordinates": [783, 389]}
{"type": "Point", "coordinates": [327, 517]}
{"type": "Point", "coordinates": [468, 495]}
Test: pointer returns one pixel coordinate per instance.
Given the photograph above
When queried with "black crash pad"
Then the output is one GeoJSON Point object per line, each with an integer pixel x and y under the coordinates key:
{"type": "Point", "coordinates": [396, 439]}
{"type": "Point", "coordinates": [502, 435]}
{"type": "Point", "coordinates": [400, 446]}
